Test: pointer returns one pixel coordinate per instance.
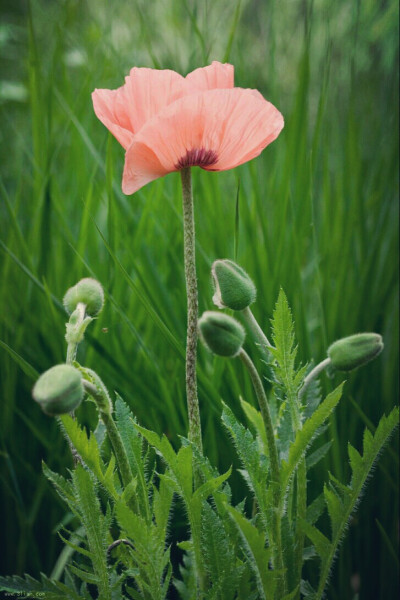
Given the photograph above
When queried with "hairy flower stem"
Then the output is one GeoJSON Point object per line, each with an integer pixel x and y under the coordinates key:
{"type": "Point", "coordinates": [192, 309]}
{"type": "Point", "coordinates": [274, 465]}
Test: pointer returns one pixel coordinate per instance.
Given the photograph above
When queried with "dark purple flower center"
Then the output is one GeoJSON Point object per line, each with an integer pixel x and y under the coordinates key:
{"type": "Point", "coordinates": [197, 157]}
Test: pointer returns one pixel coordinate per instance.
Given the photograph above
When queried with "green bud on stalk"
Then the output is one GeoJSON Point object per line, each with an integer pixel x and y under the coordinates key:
{"type": "Point", "coordinates": [59, 390]}
{"type": "Point", "coordinates": [87, 291]}
{"type": "Point", "coordinates": [233, 287]}
{"type": "Point", "coordinates": [222, 334]}
{"type": "Point", "coordinates": [354, 351]}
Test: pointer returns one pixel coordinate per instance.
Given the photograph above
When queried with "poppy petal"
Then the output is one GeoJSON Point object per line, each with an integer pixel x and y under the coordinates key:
{"type": "Point", "coordinates": [215, 76]}
{"type": "Point", "coordinates": [216, 130]}
{"type": "Point", "coordinates": [251, 124]}
{"type": "Point", "coordinates": [111, 109]}
{"type": "Point", "coordinates": [147, 91]}
{"type": "Point", "coordinates": [141, 167]}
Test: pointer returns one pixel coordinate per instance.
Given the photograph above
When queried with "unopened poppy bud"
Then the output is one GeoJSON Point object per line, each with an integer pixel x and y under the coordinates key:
{"type": "Point", "coordinates": [354, 351]}
{"type": "Point", "coordinates": [59, 390]}
{"type": "Point", "coordinates": [87, 291]}
{"type": "Point", "coordinates": [222, 334]}
{"type": "Point", "coordinates": [233, 287]}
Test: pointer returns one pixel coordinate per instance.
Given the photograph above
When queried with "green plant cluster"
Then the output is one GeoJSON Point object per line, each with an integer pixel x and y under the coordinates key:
{"type": "Point", "coordinates": [320, 209]}
{"type": "Point", "coordinates": [127, 478]}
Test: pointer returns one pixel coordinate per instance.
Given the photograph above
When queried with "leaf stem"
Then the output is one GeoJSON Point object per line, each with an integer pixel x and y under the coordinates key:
{"type": "Point", "coordinates": [192, 309]}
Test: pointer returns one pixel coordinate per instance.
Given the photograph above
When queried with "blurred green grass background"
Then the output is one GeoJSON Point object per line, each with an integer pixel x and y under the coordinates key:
{"type": "Point", "coordinates": [318, 216]}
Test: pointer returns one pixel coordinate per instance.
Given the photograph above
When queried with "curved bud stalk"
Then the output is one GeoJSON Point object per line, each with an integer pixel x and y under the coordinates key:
{"type": "Point", "coordinates": [94, 386]}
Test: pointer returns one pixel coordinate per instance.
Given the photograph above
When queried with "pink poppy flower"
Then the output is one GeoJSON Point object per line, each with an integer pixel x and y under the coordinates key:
{"type": "Point", "coordinates": [167, 122]}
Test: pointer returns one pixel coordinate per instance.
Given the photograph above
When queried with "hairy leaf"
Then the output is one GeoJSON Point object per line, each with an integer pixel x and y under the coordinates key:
{"type": "Point", "coordinates": [305, 436]}
{"type": "Point", "coordinates": [89, 451]}
{"type": "Point", "coordinates": [96, 527]}
{"type": "Point", "coordinates": [258, 556]}
{"type": "Point", "coordinates": [133, 444]}
{"type": "Point", "coordinates": [27, 587]}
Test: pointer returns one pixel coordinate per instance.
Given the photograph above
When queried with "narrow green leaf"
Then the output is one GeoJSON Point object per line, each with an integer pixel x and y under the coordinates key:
{"type": "Point", "coordinates": [21, 362]}
{"type": "Point", "coordinates": [373, 445]}
{"type": "Point", "coordinates": [257, 554]}
{"type": "Point", "coordinates": [315, 509]}
{"type": "Point", "coordinates": [305, 436]}
{"type": "Point", "coordinates": [96, 527]}
{"type": "Point", "coordinates": [89, 451]}
{"type": "Point", "coordinates": [314, 458]}
{"type": "Point", "coordinates": [320, 541]}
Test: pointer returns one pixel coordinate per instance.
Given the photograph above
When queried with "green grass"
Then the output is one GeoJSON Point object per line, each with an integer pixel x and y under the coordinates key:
{"type": "Point", "coordinates": [317, 215]}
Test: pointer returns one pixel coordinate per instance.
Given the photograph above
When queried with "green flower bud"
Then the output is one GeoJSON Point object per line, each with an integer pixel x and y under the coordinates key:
{"type": "Point", "coordinates": [354, 351]}
{"type": "Point", "coordinates": [233, 287]}
{"type": "Point", "coordinates": [87, 291]}
{"type": "Point", "coordinates": [59, 390]}
{"type": "Point", "coordinates": [222, 334]}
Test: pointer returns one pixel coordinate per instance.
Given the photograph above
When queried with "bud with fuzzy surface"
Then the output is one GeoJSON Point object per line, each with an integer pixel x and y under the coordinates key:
{"type": "Point", "coordinates": [87, 291]}
{"type": "Point", "coordinates": [222, 334]}
{"type": "Point", "coordinates": [354, 351]}
{"type": "Point", "coordinates": [59, 390]}
{"type": "Point", "coordinates": [233, 287]}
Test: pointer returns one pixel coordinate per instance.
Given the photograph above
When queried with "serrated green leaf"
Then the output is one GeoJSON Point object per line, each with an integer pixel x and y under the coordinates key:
{"type": "Point", "coordinates": [161, 444]}
{"type": "Point", "coordinates": [75, 547]}
{"type": "Point", "coordinates": [210, 486]}
{"type": "Point", "coordinates": [355, 458]}
{"type": "Point", "coordinates": [318, 454]}
{"type": "Point", "coordinates": [85, 576]}
{"type": "Point", "coordinates": [255, 464]}
{"type": "Point", "coordinates": [373, 445]}
{"type": "Point", "coordinates": [183, 470]}
{"type": "Point", "coordinates": [218, 556]}
{"type": "Point", "coordinates": [307, 590]}
{"type": "Point", "coordinates": [255, 418]}
{"type": "Point", "coordinates": [321, 543]}
{"type": "Point", "coordinates": [285, 352]}
{"type": "Point", "coordinates": [63, 487]}
{"type": "Point", "coordinates": [148, 553]}
{"type": "Point", "coordinates": [257, 554]}
{"type": "Point", "coordinates": [133, 444]}
{"type": "Point", "coordinates": [162, 500]}
{"type": "Point", "coordinates": [28, 587]}
{"type": "Point", "coordinates": [96, 527]}
{"type": "Point", "coordinates": [291, 594]}
{"type": "Point", "coordinates": [89, 451]}
{"type": "Point", "coordinates": [335, 508]}
{"type": "Point", "coordinates": [315, 509]}
{"type": "Point", "coordinates": [305, 436]}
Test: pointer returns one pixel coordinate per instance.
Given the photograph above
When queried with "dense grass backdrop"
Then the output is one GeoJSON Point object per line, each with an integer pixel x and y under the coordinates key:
{"type": "Point", "coordinates": [317, 215]}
